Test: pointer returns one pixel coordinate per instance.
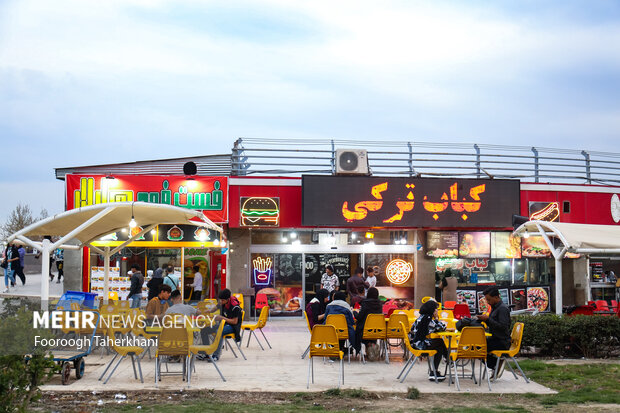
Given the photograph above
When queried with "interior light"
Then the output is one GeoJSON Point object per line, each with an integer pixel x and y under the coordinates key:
{"type": "Point", "coordinates": [526, 234]}
{"type": "Point", "coordinates": [124, 230]}
{"type": "Point", "coordinates": [284, 239]}
{"type": "Point", "coordinates": [223, 244]}
{"type": "Point", "coordinates": [191, 183]}
{"type": "Point", "coordinates": [153, 232]}
{"type": "Point", "coordinates": [216, 242]}
{"type": "Point", "coordinates": [293, 235]}
{"type": "Point", "coordinates": [132, 223]}
{"type": "Point", "coordinates": [353, 235]}
{"type": "Point", "coordinates": [370, 235]}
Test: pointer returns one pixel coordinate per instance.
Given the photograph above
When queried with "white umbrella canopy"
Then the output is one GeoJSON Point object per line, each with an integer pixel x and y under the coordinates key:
{"type": "Point", "coordinates": [112, 217]}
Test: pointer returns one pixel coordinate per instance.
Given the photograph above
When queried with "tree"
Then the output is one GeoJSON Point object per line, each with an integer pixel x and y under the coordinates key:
{"type": "Point", "coordinates": [20, 218]}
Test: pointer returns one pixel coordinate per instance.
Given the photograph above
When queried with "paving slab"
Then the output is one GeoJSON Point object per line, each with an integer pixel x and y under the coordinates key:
{"type": "Point", "coordinates": [281, 369]}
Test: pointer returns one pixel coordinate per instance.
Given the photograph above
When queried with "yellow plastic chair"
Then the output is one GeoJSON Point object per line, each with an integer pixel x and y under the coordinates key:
{"type": "Point", "coordinates": [339, 321]}
{"type": "Point", "coordinates": [208, 349]}
{"type": "Point", "coordinates": [414, 355]}
{"type": "Point", "coordinates": [207, 306]}
{"type": "Point", "coordinates": [123, 351]}
{"type": "Point", "coordinates": [113, 295]}
{"type": "Point", "coordinates": [262, 322]}
{"type": "Point", "coordinates": [231, 336]}
{"type": "Point", "coordinates": [310, 330]}
{"type": "Point", "coordinates": [240, 299]}
{"type": "Point", "coordinates": [425, 299]}
{"type": "Point", "coordinates": [375, 328]}
{"type": "Point", "coordinates": [173, 341]}
{"type": "Point", "coordinates": [472, 346]}
{"type": "Point", "coordinates": [324, 343]}
{"type": "Point", "coordinates": [393, 325]}
{"type": "Point", "coordinates": [140, 328]}
{"type": "Point", "coordinates": [445, 314]}
{"type": "Point", "coordinates": [515, 346]}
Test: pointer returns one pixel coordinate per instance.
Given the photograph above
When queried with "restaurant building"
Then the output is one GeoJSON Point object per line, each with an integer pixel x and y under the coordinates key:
{"type": "Point", "coordinates": [281, 230]}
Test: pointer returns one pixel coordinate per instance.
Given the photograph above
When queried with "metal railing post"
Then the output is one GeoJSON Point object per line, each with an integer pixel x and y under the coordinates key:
{"type": "Point", "coordinates": [535, 164]}
{"type": "Point", "coordinates": [412, 171]}
{"type": "Point", "coordinates": [333, 161]}
{"type": "Point", "coordinates": [478, 174]}
{"type": "Point", "coordinates": [587, 156]}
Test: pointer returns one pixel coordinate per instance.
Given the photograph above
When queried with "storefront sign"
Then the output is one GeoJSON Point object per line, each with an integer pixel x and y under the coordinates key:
{"type": "Point", "coordinates": [206, 194]}
{"type": "Point", "coordinates": [260, 212]}
{"type": "Point", "coordinates": [544, 211]}
{"type": "Point", "coordinates": [408, 202]}
{"type": "Point", "coordinates": [262, 271]}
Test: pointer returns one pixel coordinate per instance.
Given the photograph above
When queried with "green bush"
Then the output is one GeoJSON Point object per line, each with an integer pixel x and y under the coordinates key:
{"type": "Point", "coordinates": [413, 393]}
{"type": "Point", "coordinates": [578, 336]}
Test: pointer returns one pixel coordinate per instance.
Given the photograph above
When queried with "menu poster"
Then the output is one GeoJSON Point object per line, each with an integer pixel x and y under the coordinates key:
{"type": "Point", "coordinates": [503, 293]}
{"type": "Point", "coordinates": [517, 299]}
{"type": "Point", "coordinates": [442, 244]}
{"type": "Point", "coordinates": [596, 269]}
{"type": "Point", "coordinates": [116, 283]}
{"type": "Point", "coordinates": [535, 246]}
{"type": "Point", "coordinates": [475, 244]}
{"type": "Point", "coordinates": [467, 297]}
{"type": "Point", "coordinates": [538, 298]}
{"type": "Point", "coordinates": [505, 245]}
{"type": "Point", "coordinates": [483, 306]}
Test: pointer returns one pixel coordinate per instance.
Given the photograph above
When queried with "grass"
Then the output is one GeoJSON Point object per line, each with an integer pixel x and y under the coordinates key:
{"type": "Point", "coordinates": [576, 384]}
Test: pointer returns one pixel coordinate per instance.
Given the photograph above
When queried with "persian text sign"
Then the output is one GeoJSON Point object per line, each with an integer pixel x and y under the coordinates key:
{"type": "Point", "coordinates": [408, 202]}
{"type": "Point", "coordinates": [206, 194]}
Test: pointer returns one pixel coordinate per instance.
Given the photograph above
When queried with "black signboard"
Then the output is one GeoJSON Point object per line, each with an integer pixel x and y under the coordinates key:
{"type": "Point", "coordinates": [352, 201]}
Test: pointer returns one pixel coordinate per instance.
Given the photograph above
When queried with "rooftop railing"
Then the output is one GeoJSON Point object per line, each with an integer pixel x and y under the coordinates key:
{"type": "Point", "coordinates": [294, 157]}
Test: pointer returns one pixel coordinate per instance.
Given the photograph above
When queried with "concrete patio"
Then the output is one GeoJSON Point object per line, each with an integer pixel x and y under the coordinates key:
{"type": "Point", "coordinates": [281, 369]}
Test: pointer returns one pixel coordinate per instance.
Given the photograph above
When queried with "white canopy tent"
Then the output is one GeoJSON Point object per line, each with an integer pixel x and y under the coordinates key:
{"type": "Point", "coordinates": [89, 224]}
{"type": "Point", "coordinates": [575, 238]}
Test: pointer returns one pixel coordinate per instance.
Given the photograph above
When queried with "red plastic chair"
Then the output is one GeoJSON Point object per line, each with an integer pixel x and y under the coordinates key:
{"type": "Point", "coordinates": [614, 305]}
{"type": "Point", "coordinates": [449, 305]}
{"type": "Point", "coordinates": [461, 310]}
{"type": "Point", "coordinates": [601, 305]}
{"type": "Point", "coordinates": [583, 310]}
{"type": "Point", "coordinates": [261, 301]}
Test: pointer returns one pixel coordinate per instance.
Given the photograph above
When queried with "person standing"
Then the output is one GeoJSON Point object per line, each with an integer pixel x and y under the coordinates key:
{"type": "Point", "coordinates": [20, 270]}
{"type": "Point", "coordinates": [196, 285]}
{"type": "Point", "coordinates": [499, 327]}
{"type": "Point", "coordinates": [154, 284]}
{"type": "Point", "coordinates": [135, 291]}
{"type": "Point", "coordinates": [59, 255]}
{"type": "Point", "coordinates": [356, 286]}
{"type": "Point", "coordinates": [170, 279]}
{"type": "Point", "coordinates": [371, 279]}
{"type": "Point", "coordinates": [9, 263]}
{"type": "Point", "coordinates": [329, 280]}
{"type": "Point", "coordinates": [448, 286]}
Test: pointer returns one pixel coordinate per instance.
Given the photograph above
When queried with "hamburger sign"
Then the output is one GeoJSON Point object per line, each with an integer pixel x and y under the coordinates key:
{"type": "Point", "coordinates": [260, 212]}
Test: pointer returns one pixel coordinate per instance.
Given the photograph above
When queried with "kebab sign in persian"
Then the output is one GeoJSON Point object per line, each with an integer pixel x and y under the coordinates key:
{"type": "Point", "coordinates": [418, 202]}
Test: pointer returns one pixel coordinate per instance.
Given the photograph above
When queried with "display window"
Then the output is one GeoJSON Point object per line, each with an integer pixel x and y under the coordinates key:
{"type": "Point", "coordinates": [279, 277]}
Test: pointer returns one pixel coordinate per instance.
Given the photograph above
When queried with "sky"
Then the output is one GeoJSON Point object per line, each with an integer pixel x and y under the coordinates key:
{"type": "Point", "coordinates": [90, 82]}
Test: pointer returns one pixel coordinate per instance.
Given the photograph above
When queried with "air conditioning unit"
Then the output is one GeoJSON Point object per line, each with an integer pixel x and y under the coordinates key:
{"type": "Point", "coordinates": [352, 162]}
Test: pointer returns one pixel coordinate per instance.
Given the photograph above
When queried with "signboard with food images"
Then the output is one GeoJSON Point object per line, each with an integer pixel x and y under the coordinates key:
{"type": "Point", "coordinates": [518, 299]}
{"type": "Point", "coordinates": [538, 298]}
{"type": "Point", "coordinates": [503, 293]}
{"type": "Point", "coordinates": [186, 233]}
{"type": "Point", "coordinates": [467, 297]}
{"type": "Point", "coordinates": [362, 201]}
{"type": "Point", "coordinates": [442, 244]}
{"type": "Point", "coordinates": [116, 283]}
{"type": "Point", "coordinates": [483, 306]}
{"type": "Point", "coordinates": [475, 244]}
{"type": "Point", "coordinates": [505, 245]}
{"type": "Point", "coordinates": [259, 212]}
{"type": "Point", "coordinates": [534, 246]}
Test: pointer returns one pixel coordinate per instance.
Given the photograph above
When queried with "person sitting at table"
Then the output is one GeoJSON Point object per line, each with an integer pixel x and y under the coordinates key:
{"type": "Point", "coordinates": [370, 305]}
{"type": "Point", "coordinates": [230, 313]}
{"type": "Point", "coordinates": [498, 322]}
{"type": "Point", "coordinates": [157, 306]}
{"type": "Point", "coordinates": [340, 306]}
{"type": "Point", "coordinates": [427, 323]}
{"type": "Point", "coordinates": [316, 307]}
{"type": "Point", "coordinates": [178, 307]}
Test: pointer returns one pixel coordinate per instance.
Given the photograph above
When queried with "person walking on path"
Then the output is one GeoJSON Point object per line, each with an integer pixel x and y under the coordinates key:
{"type": "Point", "coordinates": [9, 263]}
{"type": "Point", "coordinates": [19, 271]}
{"type": "Point", "coordinates": [135, 291]}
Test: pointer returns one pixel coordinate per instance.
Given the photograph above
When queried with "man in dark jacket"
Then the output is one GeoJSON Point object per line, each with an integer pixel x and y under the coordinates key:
{"type": "Point", "coordinates": [135, 291]}
{"type": "Point", "coordinates": [370, 305]}
{"type": "Point", "coordinates": [499, 326]}
{"type": "Point", "coordinates": [356, 286]}
{"type": "Point", "coordinates": [340, 306]}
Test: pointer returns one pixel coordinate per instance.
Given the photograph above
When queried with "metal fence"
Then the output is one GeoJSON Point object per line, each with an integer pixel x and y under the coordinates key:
{"type": "Point", "coordinates": [294, 157]}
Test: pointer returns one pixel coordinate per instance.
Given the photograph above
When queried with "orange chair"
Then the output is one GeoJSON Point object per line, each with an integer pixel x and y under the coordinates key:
{"type": "Point", "coordinates": [515, 346]}
{"type": "Point", "coordinates": [461, 310]}
{"type": "Point", "coordinates": [601, 305]}
{"type": "Point", "coordinates": [324, 343]}
{"type": "Point", "coordinates": [339, 321]}
{"type": "Point", "coordinates": [449, 305]}
{"type": "Point", "coordinates": [472, 346]}
{"type": "Point", "coordinates": [375, 328]}
{"type": "Point", "coordinates": [414, 355]}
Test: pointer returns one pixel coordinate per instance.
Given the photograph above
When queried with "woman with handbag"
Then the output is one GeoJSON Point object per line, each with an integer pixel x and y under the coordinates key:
{"type": "Point", "coordinates": [10, 262]}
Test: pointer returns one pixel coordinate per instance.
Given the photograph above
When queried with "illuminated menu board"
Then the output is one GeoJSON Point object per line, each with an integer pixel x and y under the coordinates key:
{"type": "Point", "coordinates": [362, 201]}
{"type": "Point", "coordinates": [505, 245]}
{"type": "Point", "coordinates": [442, 244]}
{"type": "Point", "coordinates": [474, 244]}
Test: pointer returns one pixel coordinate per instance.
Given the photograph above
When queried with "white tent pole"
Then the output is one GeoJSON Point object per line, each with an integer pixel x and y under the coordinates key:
{"type": "Point", "coordinates": [106, 275]}
{"type": "Point", "coordinates": [83, 226]}
{"type": "Point", "coordinates": [45, 271]}
{"type": "Point", "coordinates": [558, 286]}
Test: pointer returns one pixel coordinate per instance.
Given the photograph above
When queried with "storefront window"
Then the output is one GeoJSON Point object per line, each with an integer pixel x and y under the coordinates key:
{"type": "Point", "coordinates": [279, 277]}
